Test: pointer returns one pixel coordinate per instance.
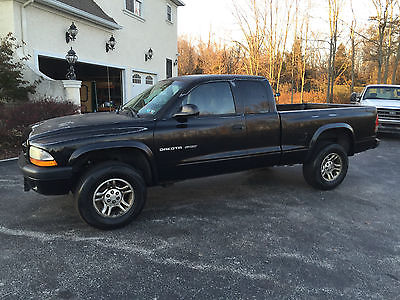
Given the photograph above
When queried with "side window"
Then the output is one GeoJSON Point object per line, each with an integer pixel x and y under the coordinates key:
{"type": "Point", "coordinates": [169, 13]}
{"type": "Point", "coordinates": [212, 99]}
{"type": "Point", "coordinates": [169, 68]}
{"type": "Point", "coordinates": [134, 6]}
{"type": "Point", "coordinates": [255, 96]}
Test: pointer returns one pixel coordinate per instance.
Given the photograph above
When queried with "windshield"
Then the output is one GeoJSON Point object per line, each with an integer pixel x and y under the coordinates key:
{"type": "Point", "coordinates": [382, 93]}
{"type": "Point", "coordinates": [153, 99]}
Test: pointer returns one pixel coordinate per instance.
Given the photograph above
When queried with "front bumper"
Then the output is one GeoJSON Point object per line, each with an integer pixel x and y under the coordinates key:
{"type": "Point", "coordinates": [390, 126]}
{"type": "Point", "coordinates": [45, 180]}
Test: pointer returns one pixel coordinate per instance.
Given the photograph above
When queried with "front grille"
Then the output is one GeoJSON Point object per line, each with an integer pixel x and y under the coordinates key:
{"type": "Point", "coordinates": [389, 114]}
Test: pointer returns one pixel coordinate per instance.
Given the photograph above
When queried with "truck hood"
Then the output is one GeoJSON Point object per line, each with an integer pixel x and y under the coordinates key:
{"type": "Point", "coordinates": [83, 126]}
{"type": "Point", "coordinates": [379, 103]}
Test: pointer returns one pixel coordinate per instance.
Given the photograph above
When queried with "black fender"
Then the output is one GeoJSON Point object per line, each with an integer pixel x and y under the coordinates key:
{"type": "Point", "coordinates": [78, 153]}
{"type": "Point", "coordinates": [346, 127]}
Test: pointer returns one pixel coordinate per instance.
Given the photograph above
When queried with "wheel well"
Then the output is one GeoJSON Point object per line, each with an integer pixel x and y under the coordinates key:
{"type": "Point", "coordinates": [133, 157]}
{"type": "Point", "coordinates": [339, 136]}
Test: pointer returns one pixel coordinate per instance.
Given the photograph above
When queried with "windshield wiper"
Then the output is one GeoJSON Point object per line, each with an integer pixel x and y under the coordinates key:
{"type": "Point", "coordinates": [132, 111]}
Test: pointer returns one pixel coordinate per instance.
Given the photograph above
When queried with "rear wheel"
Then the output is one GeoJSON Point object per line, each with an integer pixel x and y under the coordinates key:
{"type": "Point", "coordinates": [110, 195]}
{"type": "Point", "coordinates": [327, 168]}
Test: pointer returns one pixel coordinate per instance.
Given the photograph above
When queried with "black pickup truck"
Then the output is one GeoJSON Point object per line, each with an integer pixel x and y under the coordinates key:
{"type": "Point", "coordinates": [188, 127]}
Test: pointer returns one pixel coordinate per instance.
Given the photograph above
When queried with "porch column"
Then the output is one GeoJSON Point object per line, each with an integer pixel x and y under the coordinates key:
{"type": "Point", "coordinates": [72, 91]}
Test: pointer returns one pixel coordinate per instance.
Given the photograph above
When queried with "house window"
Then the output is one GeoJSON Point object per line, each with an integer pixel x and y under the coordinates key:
{"type": "Point", "coordinates": [169, 13]}
{"type": "Point", "coordinates": [136, 79]}
{"type": "Point", "coordinates": [149, 80]}
{"type": "Point", "coordinates": [134, 6]}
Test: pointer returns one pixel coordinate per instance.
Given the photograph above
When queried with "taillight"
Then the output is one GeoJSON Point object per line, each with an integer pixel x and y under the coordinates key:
{"type": "Point", "coordinates": [376, 124]}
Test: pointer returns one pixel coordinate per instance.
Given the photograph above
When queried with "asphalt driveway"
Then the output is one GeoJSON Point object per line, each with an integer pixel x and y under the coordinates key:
{"type": "Point", "coordinates": [256, 234]}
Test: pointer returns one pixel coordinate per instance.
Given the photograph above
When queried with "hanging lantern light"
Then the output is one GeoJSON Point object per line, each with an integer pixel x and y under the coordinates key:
{"type": "Point", "coordinates": [71, 33]}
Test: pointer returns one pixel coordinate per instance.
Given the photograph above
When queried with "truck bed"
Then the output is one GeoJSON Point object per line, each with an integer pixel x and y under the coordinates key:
{"type": "Point", "coordinates": [308, 106]}
{"type": "Point", "coordinates": [300, 123]}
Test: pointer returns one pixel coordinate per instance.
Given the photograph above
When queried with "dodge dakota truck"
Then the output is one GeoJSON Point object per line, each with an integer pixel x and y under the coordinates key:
{"type": "Point", "coordinates": [187, 127]}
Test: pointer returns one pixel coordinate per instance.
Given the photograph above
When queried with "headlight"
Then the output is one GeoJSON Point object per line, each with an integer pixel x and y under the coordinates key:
{"type": "Point", "coordinates": [41, 158]}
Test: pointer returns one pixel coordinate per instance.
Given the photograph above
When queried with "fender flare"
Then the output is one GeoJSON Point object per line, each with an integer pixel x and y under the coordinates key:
{"type": "Point", "coordinates": [78, 153]}
{"type": "Point", "coordinates": [347, 128]}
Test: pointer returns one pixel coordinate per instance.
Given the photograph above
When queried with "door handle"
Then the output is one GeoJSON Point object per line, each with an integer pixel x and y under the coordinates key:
{"type": "Point", "coordinates": [238, 127]}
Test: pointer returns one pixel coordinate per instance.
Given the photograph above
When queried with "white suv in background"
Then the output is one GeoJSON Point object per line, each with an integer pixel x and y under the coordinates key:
{"type": "Point", "coordinates": [386, 98]}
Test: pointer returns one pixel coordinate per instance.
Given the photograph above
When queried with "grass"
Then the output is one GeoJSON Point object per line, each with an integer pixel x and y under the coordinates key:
{"type": "Point", "coordinates": [341, 94]}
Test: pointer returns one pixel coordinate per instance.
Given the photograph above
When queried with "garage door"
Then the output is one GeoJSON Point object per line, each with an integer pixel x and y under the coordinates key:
{"type": "Point", "coordinates": [142, 81]}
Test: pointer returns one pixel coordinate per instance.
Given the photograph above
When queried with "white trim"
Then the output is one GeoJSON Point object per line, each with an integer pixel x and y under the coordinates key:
{"type": "Point", "coordinates": [8, 159]}
{"type": "Point", "coordinates": [80, 13]}
{"type": "Point", "coordinates": [144, 71]}
{"type": "Point", "coordinates": [124, 85]}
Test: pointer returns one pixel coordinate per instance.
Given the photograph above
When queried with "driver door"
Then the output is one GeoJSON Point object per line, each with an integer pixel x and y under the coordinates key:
{"type": "Point", "coordinates": [212, 142]}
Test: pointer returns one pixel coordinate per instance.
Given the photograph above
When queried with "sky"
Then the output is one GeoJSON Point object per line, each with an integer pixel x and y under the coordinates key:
{"type": "Point", "coordinates": [199, 17]}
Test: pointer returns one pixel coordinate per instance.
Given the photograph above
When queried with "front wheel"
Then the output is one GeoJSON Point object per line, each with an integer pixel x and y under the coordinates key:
{"type": "Point", "coordinates": [327, 168]}
{"type": "Point", "coordinates": [110, 195]}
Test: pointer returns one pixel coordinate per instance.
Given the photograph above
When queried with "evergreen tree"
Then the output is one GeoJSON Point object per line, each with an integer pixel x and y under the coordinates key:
{"type": "Point", "coordinates": [13, 87]}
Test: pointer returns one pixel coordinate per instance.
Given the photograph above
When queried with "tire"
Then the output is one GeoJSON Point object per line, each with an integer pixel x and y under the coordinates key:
{"type": "Point", "coordinates": [110, 195]}
{"type": "Point", "coordinates": [327, 168]}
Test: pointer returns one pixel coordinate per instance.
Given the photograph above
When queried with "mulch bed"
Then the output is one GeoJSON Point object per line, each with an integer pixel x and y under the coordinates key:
{"type": "Point", "coordinates": [8, 150]}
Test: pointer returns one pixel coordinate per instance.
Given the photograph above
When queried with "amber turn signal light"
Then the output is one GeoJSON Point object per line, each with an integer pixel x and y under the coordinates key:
{"type": "Point", "coordinates": [43, 163]}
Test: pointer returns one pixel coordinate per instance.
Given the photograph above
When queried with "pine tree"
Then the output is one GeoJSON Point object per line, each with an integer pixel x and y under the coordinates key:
{"type": "Point", "coordinates": [13, 87]}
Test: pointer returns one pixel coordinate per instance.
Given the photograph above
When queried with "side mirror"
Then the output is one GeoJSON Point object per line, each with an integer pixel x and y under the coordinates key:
{"type": "Point", "coordinates": [187, 110]}
{"type": "Point", "coordinates": [355, 97]}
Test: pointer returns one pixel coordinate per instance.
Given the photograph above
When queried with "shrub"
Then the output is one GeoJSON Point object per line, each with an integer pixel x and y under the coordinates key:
{"type": "Point", "coordinates": [16, 118]}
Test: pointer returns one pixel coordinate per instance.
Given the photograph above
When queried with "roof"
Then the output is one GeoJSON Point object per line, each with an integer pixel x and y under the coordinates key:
{"type": "Point", "coordinates": [87, 9]}
{"type": "Point", "coordinates": [89, 6]}
{"type": "Point", "coordinates": [383, 85]}
{"type": "Point", "coordinates": [201, 78]}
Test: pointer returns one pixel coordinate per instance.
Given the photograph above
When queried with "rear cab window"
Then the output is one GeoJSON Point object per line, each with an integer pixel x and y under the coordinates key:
{"type": "Point", "coordinates": [255, 96]}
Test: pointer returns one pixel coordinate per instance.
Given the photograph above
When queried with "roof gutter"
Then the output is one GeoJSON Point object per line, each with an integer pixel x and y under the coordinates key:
{"type": "Point", "coordinates": [178, 2]}
{"type": "Point", "coordinates": [79, 13]}
{"type": "Point", "coordinates": [23, 24]}
{"type": "Point", "coordinates": [27, 3]}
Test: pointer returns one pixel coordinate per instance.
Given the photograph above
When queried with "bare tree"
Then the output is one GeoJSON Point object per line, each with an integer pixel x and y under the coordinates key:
{"type": "Point", "coordinates": [187, 56]}
{"type": "Point", "coordinates": [334, 11]}
{"type": "Point", "coordinates": [382, 9]}
{"type": "Point", "coordinates": [282, 47]}
{"type": "Point", "coordinates": [396, 61]}
{"type": "Point", "coordinates": [353, 47]}
{"type": "Point", "coordinates": [388, 53]}
{"type": "Point", "coordinates": [253, 27]}
{"type": "Point", "coordinates": [303, 71]}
